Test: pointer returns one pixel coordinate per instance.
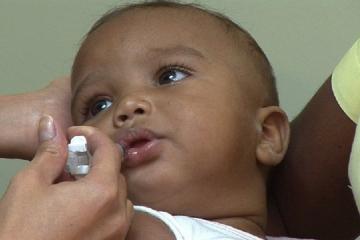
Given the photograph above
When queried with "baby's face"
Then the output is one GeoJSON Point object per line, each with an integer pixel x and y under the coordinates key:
{"type": "Point", "coordinates": [168, 85]}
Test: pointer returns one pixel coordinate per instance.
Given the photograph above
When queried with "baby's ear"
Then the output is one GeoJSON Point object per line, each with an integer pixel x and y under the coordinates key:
{"type": "Point", "coordinates": [273, 135]}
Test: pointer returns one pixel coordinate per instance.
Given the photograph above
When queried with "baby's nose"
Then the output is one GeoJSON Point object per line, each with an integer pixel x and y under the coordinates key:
{"type": "Point", "coordinates": [131, 108]}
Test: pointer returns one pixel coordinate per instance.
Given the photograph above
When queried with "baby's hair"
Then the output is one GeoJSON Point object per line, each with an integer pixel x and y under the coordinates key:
{"type": "Point", "coordinates": [265, 66]}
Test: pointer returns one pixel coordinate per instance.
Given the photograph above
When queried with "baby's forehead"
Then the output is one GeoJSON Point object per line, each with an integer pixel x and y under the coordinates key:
{"type": "Point", "coordinates": [141, 29]}
{"type": "Point", "coordinates": [215, 36]}
{"type": "Point", "coordinates": [201, 24]}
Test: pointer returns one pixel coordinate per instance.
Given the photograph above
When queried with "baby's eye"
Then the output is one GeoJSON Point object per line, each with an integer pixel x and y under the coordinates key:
{"type": "Point", "coordinates": [172, 75]}
{"type": "Point", "coordinates": [99, 105]}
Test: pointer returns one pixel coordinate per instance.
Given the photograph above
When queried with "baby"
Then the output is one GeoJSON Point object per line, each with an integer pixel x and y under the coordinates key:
{"type": "Point", "coordinates": [191, 97]}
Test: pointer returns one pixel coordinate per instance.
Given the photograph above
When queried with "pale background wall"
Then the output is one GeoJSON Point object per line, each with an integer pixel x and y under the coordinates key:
{"type": "Point", "coordinates": [303, 39]}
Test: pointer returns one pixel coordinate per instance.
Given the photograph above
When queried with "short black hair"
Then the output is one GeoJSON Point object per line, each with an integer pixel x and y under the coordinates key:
{"type": "Point", "coordinates": [267, 71]}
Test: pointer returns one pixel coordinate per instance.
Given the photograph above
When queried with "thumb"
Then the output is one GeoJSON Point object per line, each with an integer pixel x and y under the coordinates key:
{"type": "Point", "coordinates": [50, 157]}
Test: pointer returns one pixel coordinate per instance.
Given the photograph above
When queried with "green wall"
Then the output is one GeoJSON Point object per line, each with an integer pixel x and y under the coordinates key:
{"type": "Point", "coordinates": [303, 39]}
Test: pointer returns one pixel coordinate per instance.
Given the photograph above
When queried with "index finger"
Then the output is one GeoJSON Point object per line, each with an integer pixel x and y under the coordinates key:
{"type": "Point", "coordinates": [106, 155]}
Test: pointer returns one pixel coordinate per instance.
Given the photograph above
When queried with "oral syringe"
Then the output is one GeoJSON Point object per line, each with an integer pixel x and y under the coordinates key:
{"type": "Point", "coordinates": [78, 162]}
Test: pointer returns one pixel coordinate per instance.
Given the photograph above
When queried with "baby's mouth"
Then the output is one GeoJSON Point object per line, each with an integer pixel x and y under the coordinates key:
{"type": "Point", "coordinates": [138, 143]}
{"type": "Point", "coordinates": [140, 146]}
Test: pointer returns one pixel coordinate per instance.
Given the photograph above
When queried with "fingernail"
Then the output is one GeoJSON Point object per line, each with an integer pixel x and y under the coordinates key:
{"type": "Point", "coordinates": [47, 130]}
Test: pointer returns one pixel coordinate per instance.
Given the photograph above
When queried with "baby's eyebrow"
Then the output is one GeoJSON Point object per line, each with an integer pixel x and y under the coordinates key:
{"type": "Point", "coordinates": [87, 82]}
{"type": "Point", "coordinates": [177, 50]}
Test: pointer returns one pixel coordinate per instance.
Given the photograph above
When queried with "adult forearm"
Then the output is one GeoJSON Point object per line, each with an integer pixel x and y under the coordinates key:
{"type": "Point", "coordinates": [20, 114]}
{"type": "Point", "coordinates": [312, 183]}
{"type": "Point", "coordinates": [18, 124]}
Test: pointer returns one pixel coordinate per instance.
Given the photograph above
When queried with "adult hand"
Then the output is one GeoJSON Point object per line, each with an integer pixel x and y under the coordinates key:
{"type": "Point", "coordinates": [93, 207]}
{"type": "Point", "coordinates": [55, 101]}
{"type": "Point", "coordinates": [20, 114]}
